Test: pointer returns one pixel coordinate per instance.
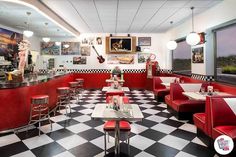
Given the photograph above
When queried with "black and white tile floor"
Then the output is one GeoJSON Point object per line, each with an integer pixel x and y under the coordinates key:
{"type": "Point", "coordinates": [159, 134]}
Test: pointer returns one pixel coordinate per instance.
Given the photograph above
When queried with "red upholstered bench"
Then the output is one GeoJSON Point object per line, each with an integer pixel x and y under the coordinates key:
{"type": "Point", "coordinates": [182, 106]}
{"type": "Point", "coordinates": [159, 90]}
{"type": "Point", "coordinates": [120, 93]}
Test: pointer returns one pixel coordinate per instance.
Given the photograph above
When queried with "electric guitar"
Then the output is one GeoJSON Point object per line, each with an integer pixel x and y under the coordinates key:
{"type": "Point", "coordinates": [99, 57]}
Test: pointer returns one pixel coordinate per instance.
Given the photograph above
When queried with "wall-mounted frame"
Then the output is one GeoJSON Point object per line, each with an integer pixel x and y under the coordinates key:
{"type": "Point", "coordinates": [144, 41]}
{"type": "Point", "coordinates": [49, 48]}
{"type": "Point", "coordinates": [198, 54]}
{"type": "Point", "coordinates": [120, 45]}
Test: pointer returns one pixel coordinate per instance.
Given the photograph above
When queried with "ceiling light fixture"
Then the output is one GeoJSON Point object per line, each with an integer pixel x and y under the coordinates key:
{"type": "Point", "coordinates": [58, 43]}
{"type": "Point", "coordinates": [66, 46]}
{"type": "Point", "coordinates": [46, 39]}
{"type": "Point", "coordinates": [171, 45]}
{"type": "Point", "coordinates": [193, 38]}
{"type": "Point", "coordinates": [27, 32]}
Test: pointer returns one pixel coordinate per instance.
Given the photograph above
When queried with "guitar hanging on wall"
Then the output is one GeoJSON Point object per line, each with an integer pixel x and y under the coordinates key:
{"type": "Point", "coordinates": [99, 57]}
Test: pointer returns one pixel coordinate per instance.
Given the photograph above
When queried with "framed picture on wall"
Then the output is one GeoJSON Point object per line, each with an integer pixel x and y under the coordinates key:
{"type": "Point", "coordinates": [85, 50]}
{"type": "Point", "coordinates": [70, 48]}
{"type": "Point", "coordinates": [79, 60]}
{"type": "Point", "coordinates": [144, 41]}
{"type": "Point", "coordinates": [198, 55]}
{"type": "Point", "coordinates": [49, 48]}
{"type": "Point", "coordinates": [120, 59]}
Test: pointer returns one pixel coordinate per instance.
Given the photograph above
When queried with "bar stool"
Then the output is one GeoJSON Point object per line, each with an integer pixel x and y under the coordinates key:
{"type": "Point", "coordinates": [39, 109]}
{"type": "Point", "coordinates": [63, 99]}
{"type": "Point", "coordinates": [80, 87]}
{"type": "Point", "coordinates": [73, 88]}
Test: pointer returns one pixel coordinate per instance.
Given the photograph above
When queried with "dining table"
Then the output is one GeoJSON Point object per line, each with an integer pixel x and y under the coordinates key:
{"type": "Point", "coordinates": [112, 89]}
{"type": "Point", "coordinates": [202, 95]}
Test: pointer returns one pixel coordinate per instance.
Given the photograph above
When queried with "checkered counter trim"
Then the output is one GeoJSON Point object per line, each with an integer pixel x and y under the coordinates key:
{"type": "Point", "coordinates": [203, 77]}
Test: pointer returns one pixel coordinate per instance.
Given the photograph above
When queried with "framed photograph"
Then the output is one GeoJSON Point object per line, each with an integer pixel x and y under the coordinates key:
{"type": "Point", "coordinates": [99, 40]}
{"type": "Point", "coordinates": [144, 41]}
{"type": "Point", "coordinates": [120, 59]}
{"type": "Point", "coordinates": [142, 57]}
{"type": "Point", "coordinates": [198, 55]}
{"type": "Point", "coordinates": [70, 48]}
{"type": "Point", "coordinates": [79, 60]}
{"type": "Point", "coordinates": [85, 50]}
{"type": "Point", "coordinates": [50, 48]}
{"type": "Point", "coordinates": [84, 41]}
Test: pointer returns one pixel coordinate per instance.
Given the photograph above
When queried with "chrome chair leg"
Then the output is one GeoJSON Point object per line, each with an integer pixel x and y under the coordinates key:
{"type": "Point", "coordinates": [105, 144]}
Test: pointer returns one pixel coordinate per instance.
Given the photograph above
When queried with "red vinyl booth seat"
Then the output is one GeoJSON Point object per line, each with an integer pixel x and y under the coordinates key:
{"type": "Point", "coordinates": [159, 90]}
{"type": "Point", "coordinates": [223, 120]}
{"type": "Point", "coordinates": [125, 99]}
{"type": "Point", "coordinates": [199, 120]}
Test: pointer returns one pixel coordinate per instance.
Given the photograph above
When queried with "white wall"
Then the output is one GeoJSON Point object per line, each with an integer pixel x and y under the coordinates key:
{"type": "Point", "coordinates": [218, 14]}
{"type": "Point", "coordinates": [157, 42]}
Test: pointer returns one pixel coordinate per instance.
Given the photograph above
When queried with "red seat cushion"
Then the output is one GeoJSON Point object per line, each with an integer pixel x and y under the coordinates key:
{"type": "Point", "coordinates": [125, 99]}
{"type": "Point", "coordinates": [110, 126]}
{"type": "Point", "coordinates": [167, 100]}
{"type": "Point", "coordinates": [199, 120]}
{"type": "Point", "coordinates": [224, 130]}
{"type": "Point", "coordinates": [188, 105]}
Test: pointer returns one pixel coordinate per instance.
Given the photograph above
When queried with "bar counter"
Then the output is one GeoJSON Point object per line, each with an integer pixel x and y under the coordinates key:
{"type": "Point", "coordinates": [15, 98]}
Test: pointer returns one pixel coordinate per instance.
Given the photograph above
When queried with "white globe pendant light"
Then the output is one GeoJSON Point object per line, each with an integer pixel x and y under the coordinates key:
{"type": "Point", "coordinates": [171, 45]}
{"type": "Point", "coordinates": [193, 38]}
{"type": "Point", "coordinates": [46, 39]}
{"type": "Point", "coordinates": [27, 32]}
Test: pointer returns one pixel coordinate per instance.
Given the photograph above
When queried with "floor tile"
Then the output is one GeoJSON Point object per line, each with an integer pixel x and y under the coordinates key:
{"type": "Point", "coordinates": [27, 153]}
{"type": "Point", "coordinates": [146, 122]}
{"type": "Point", "coordinates": [183, 134]}
{"type": "Point", "coordinates": [153, 134]}
{"type": "Point", "coordinates": [82, 118]}
{"type": "Point", "coordinates": [86, 111]}
{"type": "Point", "coordinates": [37, 141]}
{"type": "Point", "coordinates": [146, 105]}
{"type": "Point", "coordinates": [47, 128]}
{"type": "Point", "coordinates": [156, 118]}
{"type": "Point", "coordinates": [184, 154]}
{"type": "Point", "coordinates": [141, 142]}
{"type": "Point", "coordinates": [78, 128]}
{"type": "Point", "coordinates": [28, 134]}
{"type": "Point", "coordinates": [94, 123]}
{"type": "Point", "coordinates": [48, 150]}
{"type": "Point", "coordinates": [198, 150]}
{"type": "Point", "coordinates": [71, 141]}
{"type": "Point", "coordinates": [59, 118]}
{"type": "Point", "coordinates": [8, 139]}
{"type": "Point", "coordinates": [64, 154]}
{"type": "Point", "coordinates": [189, 127]}
{"type": "Point", "coordinates": [174, 142]}
{"type": "Point", "coordinates": [151, 111]}
{"type": "Point", "coordinates": [86, 150]}
{"type": "Point", "coordinates": [164, 114]}
{"type": "Point", "coordinates": [59, 134]}
{"type": "Point", "coordinates": [198, 141]}
{"type": "Point", "coordinates": [164, 128]}
{"type": "Point", "coordinates": [172, 123]}
{"type": "Point", "coordinates": [90, 134]}
{"type": "Point", "coordinates": [144, 154]}
{"type": "Point", "coordinates": [12, 149]}
{"type": "Point", "coordinates": [161, 150]}
{"type": "Point", "coordinates": [137, 129]}
{"type": "Point", "coordinates": [68, 122]}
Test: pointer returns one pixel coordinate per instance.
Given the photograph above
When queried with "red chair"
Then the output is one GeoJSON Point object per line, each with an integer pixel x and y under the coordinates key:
{"type": "Point", "coordinates": [119, 93]}
{"type": "Point", "coordinates": [109, 127]}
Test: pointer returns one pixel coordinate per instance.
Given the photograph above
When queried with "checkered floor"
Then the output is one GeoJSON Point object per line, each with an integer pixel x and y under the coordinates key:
{"type": "Point", "coordinates": [159, 134]}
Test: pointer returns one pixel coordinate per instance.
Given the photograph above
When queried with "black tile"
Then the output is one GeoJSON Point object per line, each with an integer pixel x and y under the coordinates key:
{"type": "Point", "coordinates": [48, 150]}
{"type": "Point", "coordinates": [90, 134]}
{"type": "Point", "coordinates": [153, 134]}
{"type": "Point", "coordinates": [124, 150]}
{"type": "Point", "coordinates": [161, 150]}
{"type": "Point", "coordinates": [13, 149]}
{"type": "Point", "coordinates": [173, 123]}
{"type": "Point", "coordinates": [75, 114]}
{"type": "Point", "coordinates": [78, 108]}
{"type": "Point", "coordinates": [68, 122]}
{"type": "Point", "coordinates": [164, 114]}
{"type": "Point", "coordinates": [158, 108]}
{"type": "Point", "coordinates": [59, 134]}
{"type": "Point", "coordinates": [86, 150]}
{"type": "Point", "coordinates": [198, 150]}
{"type": "Point", "coordinates": [146, 114]}
{"type": "Point", "coordinates": [94, 123]}
{"type": "Point", "coordinates": [28, 134]}
{"type": "Point", "coordinates": [183, 134]}
{"type": "Point", "coordinates": [147, 123]}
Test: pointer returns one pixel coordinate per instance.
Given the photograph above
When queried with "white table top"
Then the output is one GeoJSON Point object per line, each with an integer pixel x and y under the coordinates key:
{"type": "Point", "coordinates": [111, 81]}
{"type": "Point", "coordinates": [110, 89]}
{"type": "Point", "coordinates": [200, 96]}
{"type": "Point", "coordinates": [102, 112]}
{"type": "Point", "coordinates": [166, 84]}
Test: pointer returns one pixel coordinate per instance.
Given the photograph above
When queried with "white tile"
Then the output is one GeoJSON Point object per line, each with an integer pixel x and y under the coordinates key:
{"type": "Point", "coordinates": [47, 128]}
{"type": "Point", "coordinates": [183, 154]}
{"type": "Point", "coordinates": [100, 154]}
{"type": "Point", "coordinates": [92, 101]}
{"type": "Point", "coordinates": [73, 105]}
{"type": "Point", "coordinates": [71, 141]}
{"type": "Point", "coordinates": [89, 105]}
{"type": "Point", "coordinates": [59, 118]}
{"type": "Point", "coordinates": [99, 142]}
{"type": "Point", "coordinates": [37, 141]}
{"type": "Point", "coordinates": [174, 118]}
{"type": "Point", "coordinates": [198, 141]}
{"type": "Point", "coordinates": [78, 128]}
{"type": "Point", "coordinates": [64, 111]}
{"type": "Point", "coordinates": [150, 111]}
{"type": "Point", "coordinates": [143, 101]}
{"type": "Point", "coordinates": [64, 154]}
{"type": "Point", "coordinates": [26, 128]}
{"type": "Point", "coordinates": [8, 139]}
{"type": "Point", "coordinates": [146, 105]}
{"type": "Point", "coordinates": [86, 111]}
{"type": "Point", "coordinates": [144, 154]}
{"type": "Point", "coordinates": [156, 118]}
{"type": "Point", "coordinates": [83, 118]}
{"type": "Point", "coordinates": [141, 142]}
{"type": "Point", "coordinates": [25, 154]}
{"type": "Point", "coordinates": [175, 142]}
{"type": "Point", "coordinates": [166, 111]}
{"type": "Point", "coordinates": [162, 105]}
{"type": "Point", "coordinates": [100, 128]}
{"type": "Point", "coordinates": [188, 127]}
{"type": "Point", "coordinates": [163, 128]}
{"type": "Point", "coordinates": [137, 129]}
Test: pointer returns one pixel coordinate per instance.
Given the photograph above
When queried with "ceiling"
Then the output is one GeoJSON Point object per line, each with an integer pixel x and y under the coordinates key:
{"type": "Point", "coordinates": [102, 16]}
{"type": "Point", "coordinates": [126, 16]}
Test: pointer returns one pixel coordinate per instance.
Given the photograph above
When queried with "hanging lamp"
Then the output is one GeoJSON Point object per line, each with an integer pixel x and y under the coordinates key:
{"type": "Point", "coordinates": [171, 45]}
{"type": "Point", "coordinates": [46, 39]}
{"type": "Point", "coordinates": [27, 32]}
{"type": "Point", "coordinates": [193, 38]}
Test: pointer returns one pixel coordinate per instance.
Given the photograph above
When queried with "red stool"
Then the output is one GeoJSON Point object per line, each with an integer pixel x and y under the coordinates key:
{"type": "Point", "coordinates": [63, 98]}
{"type": "Point", "coordinates": [39, 109]}
{"type": "Point", "coordinates": [120, 93]}
{"type": "Point", "coordinates": [80, 87]}
{"type": "Point", "coordinates": [73, 88]}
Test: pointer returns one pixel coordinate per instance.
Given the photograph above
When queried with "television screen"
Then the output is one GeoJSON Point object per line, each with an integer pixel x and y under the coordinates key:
{"type": "Point", "coordinates": [120, 44]}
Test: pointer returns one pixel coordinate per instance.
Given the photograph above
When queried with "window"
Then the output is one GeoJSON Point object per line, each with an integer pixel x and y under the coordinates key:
{"type": "Point", "coordinates": [182, 59]}
{"type": "Point", "coordinates": [226, 54]}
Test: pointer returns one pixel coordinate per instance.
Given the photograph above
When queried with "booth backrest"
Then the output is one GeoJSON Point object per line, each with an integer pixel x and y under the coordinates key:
{"type": "Point", "coordinates": [158, 80]}
{"type": "Point", "coordinates": [176, 89]}
{"type": "Point", "coordinates": [223, 111]}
